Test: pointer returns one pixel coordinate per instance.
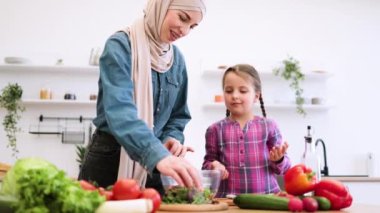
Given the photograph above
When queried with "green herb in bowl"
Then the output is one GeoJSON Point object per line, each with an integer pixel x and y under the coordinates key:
{"type": "Point", "coordinates": [183, 195]}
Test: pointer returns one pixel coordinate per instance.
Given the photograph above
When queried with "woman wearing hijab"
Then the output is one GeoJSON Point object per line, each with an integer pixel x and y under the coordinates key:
{"type": "Point", "coordinates": [142, 100]}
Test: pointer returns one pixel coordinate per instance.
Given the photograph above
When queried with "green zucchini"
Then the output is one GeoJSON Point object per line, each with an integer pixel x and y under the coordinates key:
{"type": "Point", "coordinates": [261, 201]}
{"type": "Point", "coordinates": [323, 203]}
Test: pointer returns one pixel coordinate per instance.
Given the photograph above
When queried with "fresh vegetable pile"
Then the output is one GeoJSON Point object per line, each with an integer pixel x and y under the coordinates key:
{"type": "Point", "coordinates": [35, 185]}
{"type": "Point", "coordinates": [328, 194]}
{"type": "Point", "coordinates": [125, 190]}
{"type": "Point", "coordinates": [183, 195]}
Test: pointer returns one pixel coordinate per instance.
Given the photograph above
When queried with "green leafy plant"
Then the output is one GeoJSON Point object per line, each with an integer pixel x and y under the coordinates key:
{"type": "Point", "coordinates": [291, 71]}
{"type": "Point", "coordinates": [10, 100]}
{"type": "Point", "coordinates": [80, 150]}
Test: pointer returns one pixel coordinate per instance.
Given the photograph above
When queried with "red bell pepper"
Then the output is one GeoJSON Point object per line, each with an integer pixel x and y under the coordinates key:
{"type": "Point", "coordinates": [334, 191]}
{"type": "Point", "coordinates": [299, 179]}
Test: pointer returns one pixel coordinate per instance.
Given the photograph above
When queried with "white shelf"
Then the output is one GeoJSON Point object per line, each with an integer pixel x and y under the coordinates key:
{"type": "Point", "coordinates": [58, 102]}
{"type": "Point", "coordinates": [269, 75]}
{"type": "Point", "coordinates": [274, 106]}
{"type": "Point", "coordinates": [48, 68]}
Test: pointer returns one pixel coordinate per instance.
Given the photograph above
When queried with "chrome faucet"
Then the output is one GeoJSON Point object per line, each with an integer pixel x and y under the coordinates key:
{"type": "Point", "coordinates": [325, 170]}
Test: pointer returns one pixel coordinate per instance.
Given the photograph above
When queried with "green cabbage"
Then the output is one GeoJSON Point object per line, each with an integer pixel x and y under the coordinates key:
{"type": "Point", "coordinates": [40, 186]}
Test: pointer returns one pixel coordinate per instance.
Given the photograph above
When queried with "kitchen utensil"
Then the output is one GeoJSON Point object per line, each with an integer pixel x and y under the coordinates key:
{"type": "Point", "coordinates": [73, 136]}
{"type": "Point", "coordinates": [16, 60]}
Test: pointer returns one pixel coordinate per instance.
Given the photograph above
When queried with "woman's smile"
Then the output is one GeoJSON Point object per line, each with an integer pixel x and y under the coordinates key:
{"type": "Point", "coordinates": [173, 36]}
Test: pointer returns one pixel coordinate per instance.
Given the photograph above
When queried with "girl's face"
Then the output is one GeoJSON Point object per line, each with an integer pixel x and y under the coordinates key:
{"type": "Point", "coordinates": [239, 94]}
{"type": "Point", "coordinates": [178, 23]}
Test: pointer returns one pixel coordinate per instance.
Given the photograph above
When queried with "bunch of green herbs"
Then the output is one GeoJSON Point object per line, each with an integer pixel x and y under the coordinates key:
{"type": "Point", "coordinates": [183, 195]}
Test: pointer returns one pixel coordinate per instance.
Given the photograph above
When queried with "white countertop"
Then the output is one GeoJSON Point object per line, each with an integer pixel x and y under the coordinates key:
{"type": "Point", "coordinates": [353, 178]}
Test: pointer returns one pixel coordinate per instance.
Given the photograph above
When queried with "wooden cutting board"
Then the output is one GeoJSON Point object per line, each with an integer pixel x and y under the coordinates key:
{"type": "Point", "coordinates": [229, 201]}
{"type": "Point", "coordinates": [218, 206]}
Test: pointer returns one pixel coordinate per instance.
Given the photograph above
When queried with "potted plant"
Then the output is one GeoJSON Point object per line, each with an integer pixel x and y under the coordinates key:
{"type": "Point", "coordinates": [10, 100]}
{"type": "Point", "coordinates": [80, 150]}
{"type": "Point", "coordinates": [291, 71]}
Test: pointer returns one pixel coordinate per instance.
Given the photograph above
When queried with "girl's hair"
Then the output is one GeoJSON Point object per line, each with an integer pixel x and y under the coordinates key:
{"type": "Point", "coordinates": [248, 70]}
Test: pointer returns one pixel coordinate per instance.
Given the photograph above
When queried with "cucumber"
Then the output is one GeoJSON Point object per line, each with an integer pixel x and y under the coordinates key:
{"type": "Point", "coordinates": [7, 204]}
{"type": "Point", "coordinates": [323, 203]}
{"type": "Point", "coordinates": [261, 201]}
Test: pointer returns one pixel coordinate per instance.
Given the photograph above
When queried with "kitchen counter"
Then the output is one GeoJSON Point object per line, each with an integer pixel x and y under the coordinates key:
{"type": "Point", "coordinates": [353, 178]}
{"type": "Point", "coordinates": [355, 208]}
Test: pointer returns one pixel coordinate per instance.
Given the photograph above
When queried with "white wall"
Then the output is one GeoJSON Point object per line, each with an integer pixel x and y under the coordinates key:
{"type": "Point", "coordinates": [337, 36]}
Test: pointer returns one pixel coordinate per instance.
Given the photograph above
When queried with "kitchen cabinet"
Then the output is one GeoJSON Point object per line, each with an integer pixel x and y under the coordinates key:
{"type": "Point", "coordinates": [276, 92]}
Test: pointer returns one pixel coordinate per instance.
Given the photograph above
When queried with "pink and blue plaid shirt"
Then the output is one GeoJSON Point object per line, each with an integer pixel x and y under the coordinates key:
{"type": "Point", "coordinates": [245, 154]}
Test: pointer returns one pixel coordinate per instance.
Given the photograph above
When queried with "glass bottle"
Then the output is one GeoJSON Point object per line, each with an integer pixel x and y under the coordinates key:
{"type": "Point", "coordinates": [310, 157]}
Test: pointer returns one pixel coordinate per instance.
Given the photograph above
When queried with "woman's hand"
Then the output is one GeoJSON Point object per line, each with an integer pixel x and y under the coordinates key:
{"type": "Point", "coordinates": [181, 170]}
{"type": "Point", "coordinates": [277, 152]}
{"type": "Point", "coordinates": [216, 165]}
{"type": "Point", "coordinates": [176, 148]}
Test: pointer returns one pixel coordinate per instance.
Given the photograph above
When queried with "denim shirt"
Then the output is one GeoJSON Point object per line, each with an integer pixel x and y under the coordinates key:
{"type": "Point", "coordinates": [117, 113]}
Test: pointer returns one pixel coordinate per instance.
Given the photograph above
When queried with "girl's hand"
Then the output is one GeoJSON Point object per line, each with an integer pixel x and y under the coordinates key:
{"type": "Point", "coordinates": [277, 152]}
{"type": "Point", "coordinates": [215, 165]}
{"type": "Point", "coordinates": [176, 148]}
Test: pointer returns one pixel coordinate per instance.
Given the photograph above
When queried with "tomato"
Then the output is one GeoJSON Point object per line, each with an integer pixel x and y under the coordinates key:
{"type": "Point", "coordinates": [87, 185]}
{"type": "Point", "coordinates": [126, 189]}
{"type": "Point", "coordinates": [108, 194]}
{"type": "Point", "coordinates": [150, 193]}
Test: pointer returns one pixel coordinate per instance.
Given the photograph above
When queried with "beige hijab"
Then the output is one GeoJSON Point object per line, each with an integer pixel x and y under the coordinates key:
{"type": "Point", "coordinates": [148, 53]}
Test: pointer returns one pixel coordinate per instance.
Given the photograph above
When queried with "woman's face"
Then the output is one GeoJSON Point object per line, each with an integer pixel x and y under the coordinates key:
{"type": "Point", "coordinates": [178, 23]}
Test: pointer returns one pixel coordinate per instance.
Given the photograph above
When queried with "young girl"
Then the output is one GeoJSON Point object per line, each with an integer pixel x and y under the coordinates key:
{"type": "Point", "coordinates": [246, 148]}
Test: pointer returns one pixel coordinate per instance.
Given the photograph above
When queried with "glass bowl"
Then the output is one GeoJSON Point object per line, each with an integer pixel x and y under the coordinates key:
{"type": "Point", "coordinates": [210, 180]}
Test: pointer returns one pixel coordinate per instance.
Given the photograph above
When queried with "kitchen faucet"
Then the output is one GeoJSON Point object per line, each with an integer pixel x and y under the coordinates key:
{"type": "Point", "coordinates": [325, 170]}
